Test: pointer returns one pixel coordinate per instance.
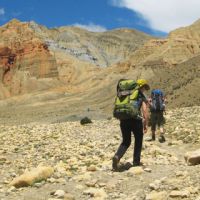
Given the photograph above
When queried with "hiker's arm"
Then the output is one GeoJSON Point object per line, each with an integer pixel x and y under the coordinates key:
{"type": "Point", "coordinates": [149, 104]}
{"type": "Point", "coordinates": [145, 115]}
{"type": "Point", "coordinates": [165, 102]}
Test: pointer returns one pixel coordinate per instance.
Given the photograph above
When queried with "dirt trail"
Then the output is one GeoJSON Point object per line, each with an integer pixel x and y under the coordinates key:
{"type": "Point", "coordinates": [81, 158]}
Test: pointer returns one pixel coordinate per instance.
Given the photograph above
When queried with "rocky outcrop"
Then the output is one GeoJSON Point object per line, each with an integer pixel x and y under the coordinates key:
{"type": "Point", "coordinates": [193, 158]}
{"type": "Point", "coordinates": [6, 64]}
{"type": "Point", "coordinates": [35, 58]}
{"type": "Point", "coordinates": [181, 45]}
{"type": "Point", "coordinates": [100, 49]}
{"type": "Point", "coordinates": [30, 53]}
{"type": "Point", "coordinates": [25, 52]}
{"type": "Point", "coordinates": [23, 56]}
{"type": "Point", "coordinates": [35, 175]}
{"type": "Point", "coordinates": [171, 63]}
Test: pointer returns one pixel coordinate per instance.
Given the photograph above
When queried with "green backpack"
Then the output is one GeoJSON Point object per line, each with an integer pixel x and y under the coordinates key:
{"type": "Point", "coordinates": [126, 104]}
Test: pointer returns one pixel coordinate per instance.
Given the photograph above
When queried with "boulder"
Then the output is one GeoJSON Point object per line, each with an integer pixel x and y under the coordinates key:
{"type": "Point", "coordinates": [29, 178]}
{"type": "Point", "coordinates": [85, 120]}
{"type": "Point", "coordinates": [193, 157]}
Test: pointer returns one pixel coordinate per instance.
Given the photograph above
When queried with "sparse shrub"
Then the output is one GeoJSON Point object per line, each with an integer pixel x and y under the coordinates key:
{"type": "Point", "coordinates": [85, 120]}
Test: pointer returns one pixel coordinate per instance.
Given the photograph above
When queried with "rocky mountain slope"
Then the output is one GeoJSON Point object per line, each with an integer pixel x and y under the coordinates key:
{"type": "Point", "coordinates": [75, 70]}
{"type": "Point", "coordinates": [35, 58]}
{"type": "Point", "coordinates": [180, 45]}
{"type": "Point", "coordinates": [100, 49]}
{"type": "Point", "coordinates": [172, 64]}
{"type": "Point", "coordinates": [24, 59]}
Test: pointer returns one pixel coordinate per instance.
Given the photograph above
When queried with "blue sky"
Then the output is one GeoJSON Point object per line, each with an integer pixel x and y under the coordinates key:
{"type": "Point", "coordinates": [148, 16]}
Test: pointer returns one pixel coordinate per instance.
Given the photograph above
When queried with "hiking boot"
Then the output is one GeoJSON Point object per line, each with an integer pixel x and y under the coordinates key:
{"type": "Point", "coordinates": [153, 138]}
{"type": "Point", "coordinates": [150, 139]}
{"type": "Point", "coordinates": [115, 163]}
{"type": "Point", "coordinates": [161, 139]}
{"type": "Point", "coordinates": [137, 164]}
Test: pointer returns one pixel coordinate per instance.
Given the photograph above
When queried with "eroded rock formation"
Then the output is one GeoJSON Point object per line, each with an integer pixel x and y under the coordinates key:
{"type": "Point", "coordinates": [72, 60]}
{"type": "Point", "coordinates": [23, 56]}
{"type": "Point", "coordinates": [181, 45]}
{"type": "Point", "coordinates": [30, 52]}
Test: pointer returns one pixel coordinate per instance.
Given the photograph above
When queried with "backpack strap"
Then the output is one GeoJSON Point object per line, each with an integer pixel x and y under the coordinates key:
{"type": "Point", "coordinates": [124, 93]}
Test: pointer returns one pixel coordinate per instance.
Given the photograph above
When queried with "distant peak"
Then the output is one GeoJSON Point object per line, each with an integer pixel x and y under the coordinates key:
{"type": "Point", "coordinates": [33, 22]}
{"type": "Point", "coordinates": [197, 22]}
{"type": "Point", "coordinates": [14, 21]}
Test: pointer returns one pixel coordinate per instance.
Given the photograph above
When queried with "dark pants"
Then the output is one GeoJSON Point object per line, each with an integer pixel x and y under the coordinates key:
{"type": "Point", "coordinates": [156, 119]}
{"type": "Point", "coordinates": [129, 126]}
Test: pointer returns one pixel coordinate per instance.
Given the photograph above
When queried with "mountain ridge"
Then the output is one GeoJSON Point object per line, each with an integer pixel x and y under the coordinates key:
{"type": "Point", "coordinates": [87, 65]}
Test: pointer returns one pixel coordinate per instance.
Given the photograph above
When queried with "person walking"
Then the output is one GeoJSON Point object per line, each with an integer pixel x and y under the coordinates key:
{"type": "Point", "coordinates": [157, 110]}
{"type": "Point", "coordinates": [136, 125]}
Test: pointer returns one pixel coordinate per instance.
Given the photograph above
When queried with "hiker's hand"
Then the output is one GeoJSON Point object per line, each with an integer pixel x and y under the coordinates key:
{"type": "Point", "coordinates": [144, 125]}
{"type": "Point", "coordinates": [145, 129]}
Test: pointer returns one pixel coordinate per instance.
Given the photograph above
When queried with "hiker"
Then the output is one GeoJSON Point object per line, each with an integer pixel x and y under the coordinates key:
{"type": "Point", "coordinates": [133, 119]}
{"type": "Point", "coordinates": [157, 109]}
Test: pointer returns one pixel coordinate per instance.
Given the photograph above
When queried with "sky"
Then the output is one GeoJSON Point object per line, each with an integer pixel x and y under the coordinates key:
{"type": "Point", "coordinates": [155, 17]}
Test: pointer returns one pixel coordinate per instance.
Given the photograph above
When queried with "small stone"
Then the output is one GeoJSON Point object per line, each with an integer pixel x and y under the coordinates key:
{"type": "Point", "coordinates": [156, 196]}
{"type": "Point", "coordinates": [91, 183]}
{"type": "Point", "coordinates": [181, 173]}
{"type": "Point", "coordinates": [101, 184]}
{"type": "Point", "coordinates": [147, 170]}
{"type": "Point", "coordinates": [69, 196]}
{"type": "Point", "coordinates": [182, 194]}
{"type": "Point", "coordinates": [12, 189]}
{"type": "Point", "coordinates": [155, 185]}
{"type": "Point", "coordinates": [2, 160]}
{"type": "Point", "coordinates": [193, 158]}
{"type": "Point", "coordinates": [51, 180]}
{"type": "Point", "coordinates": [135, 171]}
{"type": "Point", "coordinates": [13, 175]}
{"type": "Point", "coordinates": [39, 184]}
{"type": "Point", "coordinates": [80, 187]}
{"type": "Point", "coordinates": [93, 192]}
{"type": "Point", "coordinates": [59, 193]}
{"type": "Point", "coordinates": [92, 168]}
